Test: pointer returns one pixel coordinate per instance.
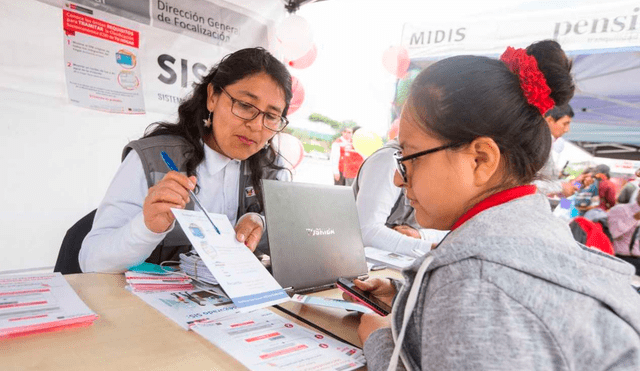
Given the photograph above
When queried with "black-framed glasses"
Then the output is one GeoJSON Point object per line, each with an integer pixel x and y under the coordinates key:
{"type": "Point", "coordinates": [248, 111]}
{"type": "Point", "coordinates": [399, 159]}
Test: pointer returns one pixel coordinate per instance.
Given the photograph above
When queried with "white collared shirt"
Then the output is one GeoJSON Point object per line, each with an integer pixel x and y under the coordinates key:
{"type": "Point", "coordinates": [119, 238]}
{"type": "Point", "coordinates": [549, 184]}
{"type": "Point", "coordinates": [376, 197]}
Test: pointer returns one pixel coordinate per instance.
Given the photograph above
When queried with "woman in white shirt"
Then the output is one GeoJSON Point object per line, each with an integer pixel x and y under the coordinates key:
{"type": "Point", "coordinates": [222, 146]}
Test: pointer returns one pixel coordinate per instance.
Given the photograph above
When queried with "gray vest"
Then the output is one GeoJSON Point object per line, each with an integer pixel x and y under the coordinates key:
{"type": "Point", "coordinates": [176, 242]}
{"type": "Point", "coordinates": [401, 213]}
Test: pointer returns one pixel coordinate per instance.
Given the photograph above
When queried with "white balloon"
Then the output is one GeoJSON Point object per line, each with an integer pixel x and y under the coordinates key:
{"type": "Point", "coordinates": [294, 36]}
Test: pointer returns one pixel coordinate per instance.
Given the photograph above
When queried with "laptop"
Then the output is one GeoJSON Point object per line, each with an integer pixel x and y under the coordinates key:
{"type": "Point", "coordinates": [314, 235]}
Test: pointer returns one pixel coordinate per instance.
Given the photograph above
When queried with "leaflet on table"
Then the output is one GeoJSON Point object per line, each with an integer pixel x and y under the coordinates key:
{"type": "Point", "coordinates": [328, 302]}
{"type": "Point", "coordinates": [31, 303]}
{"type": "Point", "coordinates": [263, 340]}
{"type": "Point", "coordinates": [154, 282]}
{"type": "Point", "coordinates": [390, 259]}
{"type": "Point", "coordinates": [188, 307]}
{"type": "Point", "coordinates": [245, 280]}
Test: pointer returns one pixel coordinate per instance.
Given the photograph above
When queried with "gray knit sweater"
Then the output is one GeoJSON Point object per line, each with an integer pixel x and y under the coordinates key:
{"type": "Point", "coordinates": [510, 289]}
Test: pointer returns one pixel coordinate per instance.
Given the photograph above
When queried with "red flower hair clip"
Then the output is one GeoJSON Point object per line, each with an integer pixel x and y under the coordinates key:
{"type": "Point", "coordinates": [532, 80]}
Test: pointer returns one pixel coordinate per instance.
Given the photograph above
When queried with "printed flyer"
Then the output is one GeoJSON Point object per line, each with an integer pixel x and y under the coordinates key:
{"type": "Point", "coordinates": [101, 61]}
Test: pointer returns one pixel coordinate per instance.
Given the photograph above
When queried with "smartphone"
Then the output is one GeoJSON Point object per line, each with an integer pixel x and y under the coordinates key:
{"type": "Point", "coordinates": [369, 300]}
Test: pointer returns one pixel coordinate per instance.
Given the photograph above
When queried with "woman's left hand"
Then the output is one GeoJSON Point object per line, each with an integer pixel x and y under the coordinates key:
{"type": "Point", "coordinates": [407, 231]}
{"type": "Point", "coordinates": [369, 323]}
{"type": "Point", "coordinates": [249, 229]}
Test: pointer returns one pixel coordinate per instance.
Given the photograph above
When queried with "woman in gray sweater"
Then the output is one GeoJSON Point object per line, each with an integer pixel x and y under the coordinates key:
{"type": "Point", "coordinates": [508, 288]}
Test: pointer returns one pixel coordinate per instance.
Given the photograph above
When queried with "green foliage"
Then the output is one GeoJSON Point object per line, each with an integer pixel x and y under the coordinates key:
{"type": "Point", "coordinates": [337, 125]}
{"type": "Point", "coordinates": [321, 118]}
{"type": "Point", "coordinates": [308, 147]}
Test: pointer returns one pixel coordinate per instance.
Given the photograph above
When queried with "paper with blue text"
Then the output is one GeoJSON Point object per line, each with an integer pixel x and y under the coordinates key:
{"type": "Point", "coordinates": [242, 276]}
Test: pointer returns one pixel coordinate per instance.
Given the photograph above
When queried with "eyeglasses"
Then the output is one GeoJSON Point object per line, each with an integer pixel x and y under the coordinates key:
{"type": "Point", "coordinates": [247, 111]}
{"type": "Point", "coordinates": [399, 159]}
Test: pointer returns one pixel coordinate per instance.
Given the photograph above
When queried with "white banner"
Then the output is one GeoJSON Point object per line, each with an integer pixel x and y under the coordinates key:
{"type": "Point", "coordinates": [211, 23]}
{"type": "Point", "coordinates": [199, 34]}
{"type": "Point", "coordinates": [584, 30]}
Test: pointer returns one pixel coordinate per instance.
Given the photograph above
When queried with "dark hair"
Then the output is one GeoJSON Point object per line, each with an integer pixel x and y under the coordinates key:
{"type": "Point", "coordinates": [462, 98]}
{"type": "Point", "coordinates": [559, 112]}
{"type": "Point", "coordinates": [602, 169]}
{"type": "Point", "coordinates": [587, 170]}
{"type": "Point", "coordinates": [191, 113]}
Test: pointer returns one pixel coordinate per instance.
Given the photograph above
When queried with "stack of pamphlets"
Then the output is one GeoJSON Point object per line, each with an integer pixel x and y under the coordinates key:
{"type": "Point", "coordinates": [39, 303]}
{"type": "Point", "coordinates": [194, 266]}
{"type": "Point", "coordinates": [144, 282]}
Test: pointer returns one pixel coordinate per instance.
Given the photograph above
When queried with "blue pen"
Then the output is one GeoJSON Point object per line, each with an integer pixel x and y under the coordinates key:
{"type": "Point", "coordinates": [172, 166]}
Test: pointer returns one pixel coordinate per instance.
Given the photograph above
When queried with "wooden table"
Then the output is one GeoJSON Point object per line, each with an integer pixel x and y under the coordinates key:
{"type": "Point", "coordinates": [337, 321]}
{"type": "Point", "coordinates": [131, 335]}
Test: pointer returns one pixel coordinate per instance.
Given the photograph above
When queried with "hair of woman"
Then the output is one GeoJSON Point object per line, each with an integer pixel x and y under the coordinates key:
{"type": "Point", "coordinates": [191, 113]}
{"type": "Point", "coordinates": [462, 98]}
{"type": "Point", "coordinates": [559, 112]}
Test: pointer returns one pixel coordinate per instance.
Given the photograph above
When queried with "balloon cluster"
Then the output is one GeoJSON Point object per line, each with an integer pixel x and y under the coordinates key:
{"type": "Point", "coordinates": [295, 42]}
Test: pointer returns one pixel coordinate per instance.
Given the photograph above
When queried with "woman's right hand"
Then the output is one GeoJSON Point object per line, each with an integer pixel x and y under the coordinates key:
{"type": "Point", "coordinates": [382, 288]}
{"type": "Point", "coordinates": [171, 192]}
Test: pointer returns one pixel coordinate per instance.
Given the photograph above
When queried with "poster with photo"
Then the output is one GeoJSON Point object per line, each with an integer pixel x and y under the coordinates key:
{"type": "Point", "coordinates": [102, 67]}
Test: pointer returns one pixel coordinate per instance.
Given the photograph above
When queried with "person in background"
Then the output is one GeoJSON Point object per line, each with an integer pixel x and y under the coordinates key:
{"type": "Point", "coordinates": [386, 219]}
{"type": "Point", "coordinates": [606, 188]}
{"type": "Point", "coordinates": [624, 220]}
{"type": "Point", "coordinates": [338, 161]}
{"type": "Point", "coordinates": [630, 189]}
{"type": "Point", "coordinates": [352, 161]}
{"type": "Point", "coordinates": [587, 197]}
{"type": "Point", "coordinates": [508, 288]}
{"type": "Point", "coordinates": [559, 121]}
{"type": "Point", "coordinates": [220, 144]}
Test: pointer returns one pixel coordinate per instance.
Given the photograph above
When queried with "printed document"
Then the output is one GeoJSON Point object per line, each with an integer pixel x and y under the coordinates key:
{"type": "Point", "coordinates": [242, 276]}
{"type": "Point", "coordinates": [189, 307]}
{"type": "Point", "coordinates": [390, 259]}
{"type": "Point", "coordinates": [263, 340]}
{"type": "Point", "coordinates": [331, 303]}
{"type": "Point", "coordinates": [30, 304]}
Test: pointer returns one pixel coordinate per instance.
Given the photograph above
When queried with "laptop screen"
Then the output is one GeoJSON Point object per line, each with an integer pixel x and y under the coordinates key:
{"type": "Point", "coordinates": [314, 234]}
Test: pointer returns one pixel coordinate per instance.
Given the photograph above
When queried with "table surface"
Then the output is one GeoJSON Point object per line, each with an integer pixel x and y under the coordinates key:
{"type": "Point", "coordinates": [131, 335]}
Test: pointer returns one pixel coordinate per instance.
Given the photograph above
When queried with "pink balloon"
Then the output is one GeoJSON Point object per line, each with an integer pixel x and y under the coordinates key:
{"type": "Point", "coordinates": [393, 130]}
{"type": "Point", "coordinates": [294, 36]}
{"type": "Point", "coordinates": [298, 95]}
{"type": "Point", "coordinates": [306, 60]}
{"type": "Point", "coordinates": [290, 148]}
{"type": "Point", "coordinates": [396, 60]}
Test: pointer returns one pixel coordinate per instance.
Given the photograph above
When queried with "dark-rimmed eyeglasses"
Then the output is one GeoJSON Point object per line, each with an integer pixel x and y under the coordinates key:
{"type": "Point", "coordinates": [248, 111]}
{"type": "Point", "coordinates": [399, 159]}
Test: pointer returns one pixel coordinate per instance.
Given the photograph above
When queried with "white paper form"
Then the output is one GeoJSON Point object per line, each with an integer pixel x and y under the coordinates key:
{"type": "Point", "coordinates": [245, 280]}
{"type": "Point", "coordinates": [331, 303]}
{"type": "Point", "coordinates": [390, 259]}
{"type": "Point", "coordinates": [36, 303]}
{"type": "Point", "coordinates": [186, 311]}
{"type": "Point", "coordinates": [262, 340]}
